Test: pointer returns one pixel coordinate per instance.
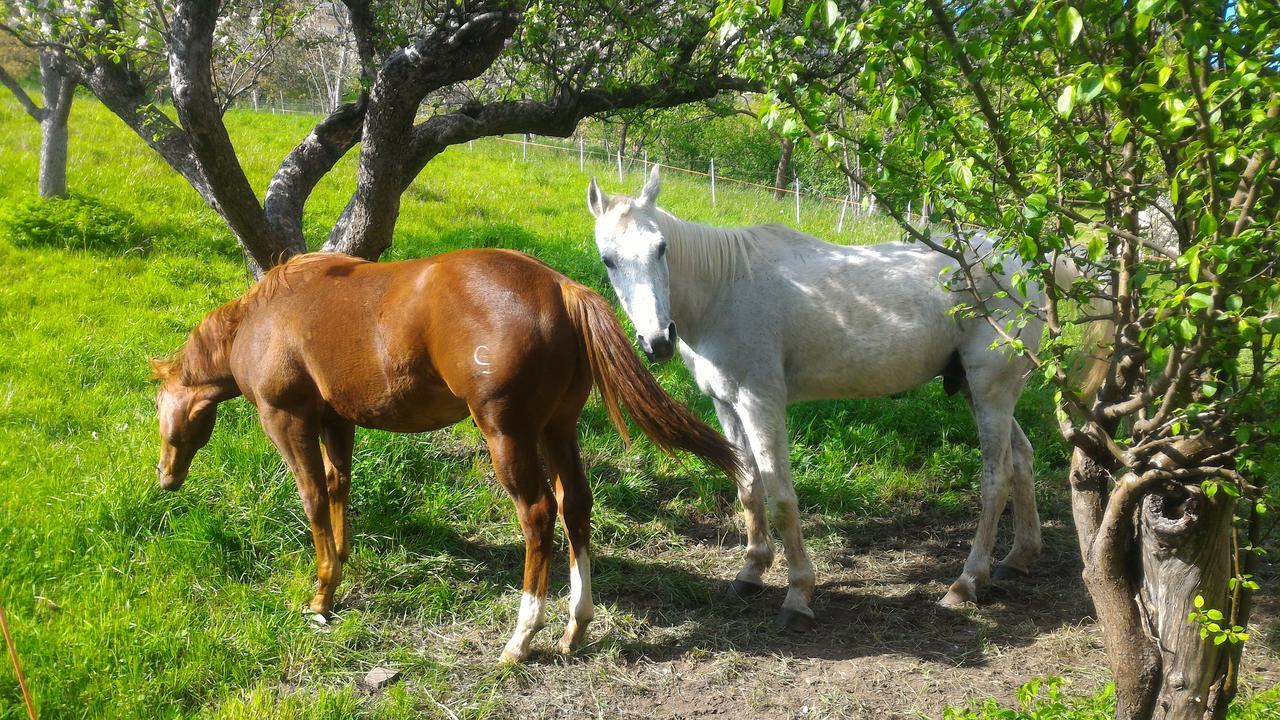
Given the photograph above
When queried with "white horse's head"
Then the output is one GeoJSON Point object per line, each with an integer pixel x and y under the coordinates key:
{"type": "Point", "coordinates": [634, 251]}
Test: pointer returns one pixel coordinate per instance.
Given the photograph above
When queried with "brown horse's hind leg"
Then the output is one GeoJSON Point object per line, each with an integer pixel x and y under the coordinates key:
{"type": "Point", "coordinates": [515, 462]}
{"type": "Point", "coordinates": [297, 441]}
{"type": "Point", "coordinates": [573, 493]}
{"type": "Point", "coordinates": [339, 441]}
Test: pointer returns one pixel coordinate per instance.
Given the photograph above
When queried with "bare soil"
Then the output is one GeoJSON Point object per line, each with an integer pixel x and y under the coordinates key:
{"type": "Point", "coordinates": [667, 644]}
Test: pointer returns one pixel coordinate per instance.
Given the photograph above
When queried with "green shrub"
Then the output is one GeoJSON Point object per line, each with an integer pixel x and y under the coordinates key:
{"type": "Point", "coordinates": [76, 222]}
{"type": "Point", "coordinates": [1044, 699]}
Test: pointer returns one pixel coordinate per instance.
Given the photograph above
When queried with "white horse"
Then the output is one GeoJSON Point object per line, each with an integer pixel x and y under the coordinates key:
{"type": "Point", "coordinates": [768, 316]}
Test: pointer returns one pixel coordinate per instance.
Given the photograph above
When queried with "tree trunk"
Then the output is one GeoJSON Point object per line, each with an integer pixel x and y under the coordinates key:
{"type": "Point", "coordinates": [783, 172]}
{"type": "Point", "coordinates": [1186, 551]}
{"type": "Point", "coordinates": [53, 156]}
{"type": "Point", "coordinates": [58, 86]}
{"type": "Point", "coordinates": [1147, 555]}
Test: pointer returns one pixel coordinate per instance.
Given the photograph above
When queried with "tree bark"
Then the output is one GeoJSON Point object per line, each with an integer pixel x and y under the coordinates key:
{"type": "Point", "coordinates": [1186, 551]}
{"type": "Point", "coordinates": [1148, 552]}
{"type": "Point", "coordinates": [58, 84]}
{"type": "Point", "coordinates": [783, 173]}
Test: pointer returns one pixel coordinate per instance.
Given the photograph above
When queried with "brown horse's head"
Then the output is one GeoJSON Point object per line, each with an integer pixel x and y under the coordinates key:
{"type": "Point", "coordinates": [187, 414]}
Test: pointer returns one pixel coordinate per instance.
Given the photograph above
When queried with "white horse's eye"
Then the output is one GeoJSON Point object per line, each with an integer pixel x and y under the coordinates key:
{"type": "Point", "coordinates": [608, 261]}
{"type": "Point", "coordinates": [662, 249]}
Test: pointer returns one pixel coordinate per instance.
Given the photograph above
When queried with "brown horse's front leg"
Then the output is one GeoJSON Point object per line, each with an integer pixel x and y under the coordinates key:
{"type": "Point", "coordinates": [515, 462]}
{"type": "Point", "coordinates": [297, 440]}
{"type": "Point", "coordinates": [339, 442]}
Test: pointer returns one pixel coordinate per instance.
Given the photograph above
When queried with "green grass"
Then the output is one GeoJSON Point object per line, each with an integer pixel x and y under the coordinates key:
{"type": "Point", "coordinates": [130, 602]}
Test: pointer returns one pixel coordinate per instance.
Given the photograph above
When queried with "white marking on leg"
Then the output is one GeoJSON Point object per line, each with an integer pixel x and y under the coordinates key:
{"type": "Point", "coordinates": [481, 356]}
{"type": "Point", "coordinates": [528, 624]}
{"type": "Point", "coordinates": [581, 606]}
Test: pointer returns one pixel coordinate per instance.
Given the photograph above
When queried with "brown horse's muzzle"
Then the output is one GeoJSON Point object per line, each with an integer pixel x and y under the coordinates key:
{"type": "Point", "coordinates": [172, 469]}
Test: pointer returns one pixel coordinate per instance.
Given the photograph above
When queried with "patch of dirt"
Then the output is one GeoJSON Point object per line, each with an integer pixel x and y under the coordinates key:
{"type": "Point", "coordinates": [882, 646]}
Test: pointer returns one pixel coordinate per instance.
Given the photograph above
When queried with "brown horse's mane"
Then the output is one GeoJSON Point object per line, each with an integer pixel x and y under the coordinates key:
{"type": "Point", "coordinates": [206, 352]}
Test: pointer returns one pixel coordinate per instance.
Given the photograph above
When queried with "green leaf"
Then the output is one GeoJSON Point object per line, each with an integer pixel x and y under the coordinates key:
{"type": "Point", "coordinates": [1198, 602]}
{"type": "Point", "coordinates": [832, 13]}
{"type": "Point", "coordinates": [1120, 131]}
{"type": "Point", "coordinates": [1200, 300]}
{"type": "Point", "coordinates": [1186, 329]}
{"type": "Point", "coordinates": [1096, 248]}
{"type": "Point", "coordinates": [912, 65]}
{"type": "Point", "coordinates": [935, 159]}
{"type": "Point", "coordinates": [961, 173]}
{"type": "Point", "coordinates": [1090, 88]}
{"type": "Point", "coordinates": [1067, 100]}
{"type": "Point", "coordinates": [1219, 639]}
{"type": "Point", "coordinates": [1208, 224]}
{"type": "Point", "coordinates": [1069, 25]}
{"type": "Point", "coordinates": [775, 8]}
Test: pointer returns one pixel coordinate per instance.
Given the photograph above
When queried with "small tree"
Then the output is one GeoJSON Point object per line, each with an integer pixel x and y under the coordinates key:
{"type": "Point", "coordinates": [58, 80]}
{"type": "Point", "coordinates": [1057, 125]}
{"type": "Point", "coordinates": [475, 68]}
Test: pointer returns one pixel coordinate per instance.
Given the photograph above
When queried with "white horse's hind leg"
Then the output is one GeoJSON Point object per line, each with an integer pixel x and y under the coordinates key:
{"type": "Point", "coordinates": [994, 425]}
{"type": "Point", "coordinates": [1026, 534]}
{"type": "Point", "coordinates": [765, 425]}
{"type": "Point", "coordinates": [759, 555]}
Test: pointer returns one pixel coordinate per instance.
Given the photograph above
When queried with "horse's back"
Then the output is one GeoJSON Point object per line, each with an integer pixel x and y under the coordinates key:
{"type": "Point", "coordinates": [854, 321]}
{"type": "Point", "coordinates": [407, 345]}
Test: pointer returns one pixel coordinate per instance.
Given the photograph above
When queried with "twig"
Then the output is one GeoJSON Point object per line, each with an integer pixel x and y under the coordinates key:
{"type": "Point", "coordinates": [17, 666]}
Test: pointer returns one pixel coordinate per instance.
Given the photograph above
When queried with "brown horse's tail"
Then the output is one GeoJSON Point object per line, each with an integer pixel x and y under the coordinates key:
{"type": "Point", "coordinates": [623, 381]}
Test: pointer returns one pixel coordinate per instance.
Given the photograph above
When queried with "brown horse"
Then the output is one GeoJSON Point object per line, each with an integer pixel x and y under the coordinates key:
{"type": "Point", "coordinates": [327, 342]}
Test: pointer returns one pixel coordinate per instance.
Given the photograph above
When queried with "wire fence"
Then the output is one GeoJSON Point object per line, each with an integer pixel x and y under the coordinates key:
{"type": "Point", "coordinates": [851, 205]}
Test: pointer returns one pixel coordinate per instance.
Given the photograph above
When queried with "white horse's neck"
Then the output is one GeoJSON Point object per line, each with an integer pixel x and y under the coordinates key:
{"type": "Point", "coordinates": [701, 259]}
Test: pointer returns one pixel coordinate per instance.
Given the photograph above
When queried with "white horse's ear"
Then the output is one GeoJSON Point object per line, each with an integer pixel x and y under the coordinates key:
{"type": "Point", "coordinates": [649, 193]}
{"type": "Point", "coordinates": [597, 201]}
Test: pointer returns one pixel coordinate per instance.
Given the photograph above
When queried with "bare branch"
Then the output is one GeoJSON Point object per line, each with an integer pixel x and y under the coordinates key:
{"type": "Point", "coordinates": [24, 99]}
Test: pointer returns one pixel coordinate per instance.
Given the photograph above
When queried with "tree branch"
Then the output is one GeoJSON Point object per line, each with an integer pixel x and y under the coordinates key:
{"type": "Point", "coordinates": [24, 99]}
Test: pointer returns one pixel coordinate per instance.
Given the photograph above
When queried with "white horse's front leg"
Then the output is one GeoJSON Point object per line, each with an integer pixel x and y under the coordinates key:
{"type": "Point", "coordinates": [765, 425]}
{"type": "Point", "coordinates": [759, 555]}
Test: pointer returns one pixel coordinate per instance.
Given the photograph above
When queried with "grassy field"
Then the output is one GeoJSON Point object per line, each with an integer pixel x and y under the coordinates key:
{"type": "Point", "coordinates": [127, 601]}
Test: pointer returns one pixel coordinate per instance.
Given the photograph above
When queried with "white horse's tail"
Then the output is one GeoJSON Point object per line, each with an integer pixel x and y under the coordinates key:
{"type": "Point", "coordinates": [1090, 369]}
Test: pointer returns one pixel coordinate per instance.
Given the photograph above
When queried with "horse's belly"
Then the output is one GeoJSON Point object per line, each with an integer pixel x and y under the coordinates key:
{"type": "Point", "coordinates": [412, 406]}
{"type": "Point", "coordinates": [852, 381]}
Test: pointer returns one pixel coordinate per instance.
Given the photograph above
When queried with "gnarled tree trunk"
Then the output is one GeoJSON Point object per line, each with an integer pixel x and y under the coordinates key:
{"type": "Point", "coordinates": [1148, 552]}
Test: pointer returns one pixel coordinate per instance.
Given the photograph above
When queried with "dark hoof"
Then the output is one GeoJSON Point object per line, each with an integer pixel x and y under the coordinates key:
{"type": "Point", "coordinates": [795, 621]}
{"type": "Point", "coordinates": [743, 590]}
{"type": "Point", "coordinates": [1002, 572]}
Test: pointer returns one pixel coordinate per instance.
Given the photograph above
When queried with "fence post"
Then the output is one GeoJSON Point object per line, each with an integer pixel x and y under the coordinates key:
{"type": "Point", "coordinates": [908, 215]}
{"type": "Point", "coordinates": [524, 147]}
{"type": "Point", "coordinates": [471, 145]}
{"type": "Point", "coordinates": [712, 174]}
{"type": "Point", "coordinates": [582, 162]}
{"type": "Point", "coordinates": [619, 164]}
{"type": "Point", "coordinates": [843, 207]}
{"type": "Point", "coordinates": [797, 199]}
{"type": "Point", "coordinates": [646, 162]}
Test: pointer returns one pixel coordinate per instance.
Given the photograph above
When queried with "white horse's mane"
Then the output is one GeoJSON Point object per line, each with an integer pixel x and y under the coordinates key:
{"type": "Point", "coordinates": [712, 254]}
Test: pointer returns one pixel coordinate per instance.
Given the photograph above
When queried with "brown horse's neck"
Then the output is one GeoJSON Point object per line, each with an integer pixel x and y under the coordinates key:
{"type": "Point", "coordinates": [205, 359]}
